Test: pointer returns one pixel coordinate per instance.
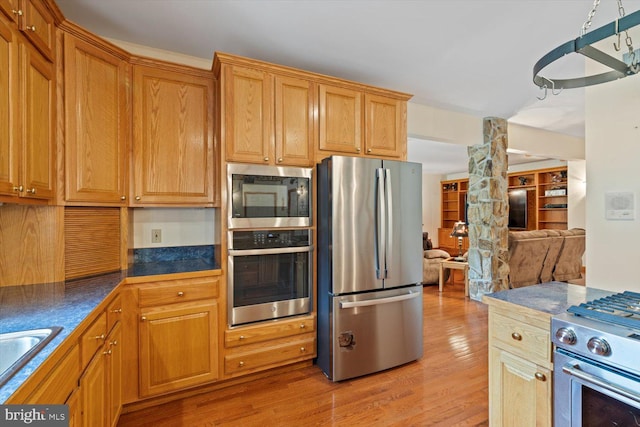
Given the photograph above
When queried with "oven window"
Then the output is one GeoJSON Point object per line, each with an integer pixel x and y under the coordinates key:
{"type": "Point", "coordinates": [260, 196]}
{"type": "Point", "coordinates": [601, 410]}
{"type": "Point", "coordinates": [261, 279]}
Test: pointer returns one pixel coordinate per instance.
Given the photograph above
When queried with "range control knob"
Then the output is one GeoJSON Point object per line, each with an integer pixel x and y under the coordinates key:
{"type": "Point", "coordinates": [599, 346]}
{"type": "Point", "coordinates": [566, 336]}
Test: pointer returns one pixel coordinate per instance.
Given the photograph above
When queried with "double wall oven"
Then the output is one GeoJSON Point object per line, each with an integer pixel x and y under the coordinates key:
{"type": "Point", "coordinates": [597, 363]}
{"type": "Point", "coordinates": [270, 256]}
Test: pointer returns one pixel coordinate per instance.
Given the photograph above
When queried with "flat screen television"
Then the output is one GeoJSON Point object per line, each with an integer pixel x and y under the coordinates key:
{"type": "Point", "coordinates": [518, 209]}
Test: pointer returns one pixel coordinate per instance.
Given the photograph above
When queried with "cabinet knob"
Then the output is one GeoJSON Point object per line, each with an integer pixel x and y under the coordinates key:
{"type": "Point", "coordinates": [302, 349]}
{"type": "Point", "coordinates": [516, 336]}
{"type": "Point", "coordinates": [540, 376]}
{"type": "Point", "coordinates": [123, 198]}
{"type": "Point", "coordinates": [143, 318]}
{"type": "Point", "coordinates": [280, 159]}
{"type": "Point", "coordinates": [241, 364]}
{"type": "Point", "coordinates": [116, 310]}
{"type": "Point", "coordinates": [100, 337]}
{"type": "Point", "coordinates": [242, 337]}
{"type": "Point", "coordinates": [369, 150]}
{"type": "Point", "coordinates": [113, 343]}
{"type": "Point", "coordinates": [31, 190]}
{"type": "Point", "coordinates": [180, 294]}
{"type": "Point", "coordinates": [266, 159]}
{"type": "Point", "coordinates": [138, 198]}
{"type": "Point", "coordinates": [302, 326]}
{"type": "Point", "coordinates": [16, 12]}
{"type": "Point", "coordinates": [18, 189]}
{"type": "Point", "coordinates": [107, 353]}
{"type": "Point", "coordinates": [31, 27]}
{"type": "Point", "coordinates": [358, 149]}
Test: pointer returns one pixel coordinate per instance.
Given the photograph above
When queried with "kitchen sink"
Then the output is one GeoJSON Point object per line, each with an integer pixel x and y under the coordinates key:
{"type": "Point", "coordinates": [17, 348]}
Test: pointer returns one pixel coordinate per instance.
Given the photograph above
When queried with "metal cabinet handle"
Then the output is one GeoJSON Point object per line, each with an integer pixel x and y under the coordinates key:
{"type": "Point", "coordinates": [100, 337]}
{"type": "Point", "coordinates": [302, 349]}
{"type": "Point", "coordinates": [116, 310]}
{"type": "Point", "coordinates": [369, 150]}
{"type": "Point", "coordinates": [266, 159]}
{"type": "Point", "coordinates": [16, 12]}
{"type": "Point", "coordinates": [516, 336]}
{"type": "Point", "coordinates": [358, 149]}
{"type": "Point", "coordinates": [123, 197]}
{"type": "Point", "coordinates": [113, 343]}
{"type": "Point", "coordinates": [143, 318]}
{"type": "Point", "coordinates": [180, 294]}
{"type": "Point", "coordinates": [31, 27]}
{"type": "Point", "coordinates": [31, 190]}
{"type": "Point", "coordinates": [241, 364]}
{"type": "Point", "coordinates": [540, 376]}
{"type": "Point", "coordinates": [107, 353]}
{"type": "Point", "coordinates": [280, 159]}
{"type": "Point", "coordinates": [242, 337]}
{"type": "Point", "coordinates": [18, 189]}
{"type": "Point", "coordinates": [302, 326]}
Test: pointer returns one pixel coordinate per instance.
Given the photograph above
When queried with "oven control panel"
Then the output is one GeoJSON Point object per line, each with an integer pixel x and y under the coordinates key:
{"type": "Point", "coordinates": [266, 239]}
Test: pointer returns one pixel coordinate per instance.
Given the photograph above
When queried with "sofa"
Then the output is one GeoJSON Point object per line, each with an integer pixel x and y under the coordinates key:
{"type": "Point", "coordinates": [539, 256]}
{"type": "Point", "coordinates": [431, 259]}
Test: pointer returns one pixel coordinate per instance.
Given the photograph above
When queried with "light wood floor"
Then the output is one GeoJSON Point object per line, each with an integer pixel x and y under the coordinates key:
{"type": "Point", "coordinates": [447, 387]}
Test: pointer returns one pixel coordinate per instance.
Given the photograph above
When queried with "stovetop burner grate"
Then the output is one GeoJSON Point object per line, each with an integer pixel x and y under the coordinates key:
{"type": "Point", "coordinates": [620, 309]}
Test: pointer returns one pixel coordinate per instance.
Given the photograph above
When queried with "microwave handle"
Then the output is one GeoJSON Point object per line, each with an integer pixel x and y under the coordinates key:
{"type": "Point", "coordinates": [271, 251]}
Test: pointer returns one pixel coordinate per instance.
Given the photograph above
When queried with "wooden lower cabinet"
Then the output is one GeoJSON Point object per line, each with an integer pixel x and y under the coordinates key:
{"type": "Point", "coordinates": [520, 366]}
{"type": "Point", "coordinates": [74, 402]}
{"type": "Point", "coordinates": [93, 392]}
{"type": "Point", "coordinates": [259, 347]}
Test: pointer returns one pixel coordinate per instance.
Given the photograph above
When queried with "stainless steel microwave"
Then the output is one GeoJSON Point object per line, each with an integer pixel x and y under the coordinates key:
{"type": "Point", "coordinates": [262, 196]}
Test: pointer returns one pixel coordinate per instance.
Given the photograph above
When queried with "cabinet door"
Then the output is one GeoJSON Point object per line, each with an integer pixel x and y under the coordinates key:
{"type": "Point", "coordinates": [97, 126]}
{"type": "Point", "coordinates": [520, 391]}
{"type": "Point", "coordinates": [114, 375]}
{"type": "Point", "coordinates": [340, 118]}
{"type": "Point", "coordinates": [39, 27]}
{"type": "Point", "coordinates": [38, 160]}
{"type": "Point", "coordinates": [9, 138]}
{"type": "Point", "coordinates": [10, 8]}
{"type": "Point", "coordinates": [93, 390]}
{"type": "Point", "coordinates": [75, 408]}
{"type": "Point", "coordinates": [294, 121]}
{"type": "Point", "coordinates": [173, 137]}
{"type": "Point", "coordinates": [178, 347]}
{"type": "Point", "coordinates": [247, 115]}
{"type": "Point", "coordinates": [385, 126]}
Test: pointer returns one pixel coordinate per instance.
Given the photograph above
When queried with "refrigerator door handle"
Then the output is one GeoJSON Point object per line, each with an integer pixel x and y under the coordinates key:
{"type": "Point", "coordinates": [389, 224]}
{"type": "Point", "coordinates": [380, 226]}
{"type": "Point", "coordinates": [379, 301]}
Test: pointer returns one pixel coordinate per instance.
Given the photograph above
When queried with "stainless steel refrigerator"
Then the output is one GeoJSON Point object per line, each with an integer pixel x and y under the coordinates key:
{"type": "Point", "coordinates": [369, 265]}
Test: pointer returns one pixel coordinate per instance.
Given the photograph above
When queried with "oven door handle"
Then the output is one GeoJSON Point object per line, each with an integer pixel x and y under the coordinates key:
{"type": "Point", "coordinates": [578, 373]}
{"type": "Point", "coordinates": [271, 251]}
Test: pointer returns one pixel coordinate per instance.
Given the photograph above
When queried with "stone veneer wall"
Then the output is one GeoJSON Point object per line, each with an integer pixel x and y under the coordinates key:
{"type": "Point", "coordinates": [488, 211]}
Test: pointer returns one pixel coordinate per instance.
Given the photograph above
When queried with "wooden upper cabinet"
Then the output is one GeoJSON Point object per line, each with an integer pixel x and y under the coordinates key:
{"type": "Point", "coordinates": [340, 118]}
{"type": "Point", "coordinates": [172, 137]}
{"type": "Point", "coordinates": [10, 8]}
{"type": "Point", "coordinates": [294, 121]}
{"type": "Point", "coordinates": [96, 124]}
{"type": "Point", "coordinates": [385, 126]}
{"type": "Point", "coordinates": [9, 92]}
{"type": "Point", "coordinates": [38, 25]}
{"type": "Point", "coordinates": [247, 118]}
{"type": "Point", "coordinates": [38, 155]}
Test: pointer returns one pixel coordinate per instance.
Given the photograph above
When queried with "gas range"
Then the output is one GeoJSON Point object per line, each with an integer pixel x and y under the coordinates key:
{"type": "Point", "coordinates": [606, 330]}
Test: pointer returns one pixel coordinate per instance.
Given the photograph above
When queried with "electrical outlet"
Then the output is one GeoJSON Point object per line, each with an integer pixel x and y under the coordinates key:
{"type": "Point", "coordinates": [156, 235]}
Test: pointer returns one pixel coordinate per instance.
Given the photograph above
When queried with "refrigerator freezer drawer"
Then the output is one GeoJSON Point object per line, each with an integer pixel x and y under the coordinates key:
{"type": "Point", "coordinates": [375, 331]}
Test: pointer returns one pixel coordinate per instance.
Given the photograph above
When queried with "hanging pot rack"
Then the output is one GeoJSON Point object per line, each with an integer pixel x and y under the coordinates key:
{"type": "Point", "coordinates": [583, 45]}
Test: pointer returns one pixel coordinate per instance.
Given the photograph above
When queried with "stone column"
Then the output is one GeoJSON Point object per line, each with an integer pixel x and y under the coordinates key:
{"type": "Point", "coordinates": [488, 211]}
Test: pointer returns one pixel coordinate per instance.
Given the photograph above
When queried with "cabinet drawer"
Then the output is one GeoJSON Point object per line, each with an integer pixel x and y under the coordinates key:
{"type": "Point", "coordinates": [114, 312]}
{"type": "Point", "coordinates": [60, 382]}
{"type": "Point", "coordinates": [286, 352]}
{"type": "Point", "coordinates": [530, 342]}
{"type": "Point", "coordinates": [268, 331]}
{"type": "Point", "coordinates": [176, 291]}
{"type": "Point", "coordinates": [93, 338]}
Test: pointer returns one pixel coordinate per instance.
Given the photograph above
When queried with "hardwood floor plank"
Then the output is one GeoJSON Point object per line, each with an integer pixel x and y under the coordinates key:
{"type": "Point", "coordinates": [448, 386]}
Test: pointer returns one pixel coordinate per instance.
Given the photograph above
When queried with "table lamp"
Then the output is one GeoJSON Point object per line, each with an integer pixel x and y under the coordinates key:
{"type": "Point", "coordinates": [460, 230]}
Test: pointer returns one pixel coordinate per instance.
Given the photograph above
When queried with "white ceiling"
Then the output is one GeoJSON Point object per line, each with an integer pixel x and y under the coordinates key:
{"type": "Point", "coordinates": [468, 56]}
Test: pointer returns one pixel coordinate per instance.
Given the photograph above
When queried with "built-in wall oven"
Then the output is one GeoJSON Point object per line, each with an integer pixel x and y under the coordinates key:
{"type": "Point", "coordinates": [270, 274]}
{"type": "Point", "coordinates": [597, 363]}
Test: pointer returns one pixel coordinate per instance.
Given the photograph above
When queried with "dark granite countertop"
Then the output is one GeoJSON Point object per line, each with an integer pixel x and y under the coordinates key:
{"type": "Point", "coordinates": [67, 304]}
{"type": "Point", "coordinates": [552, 297]}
